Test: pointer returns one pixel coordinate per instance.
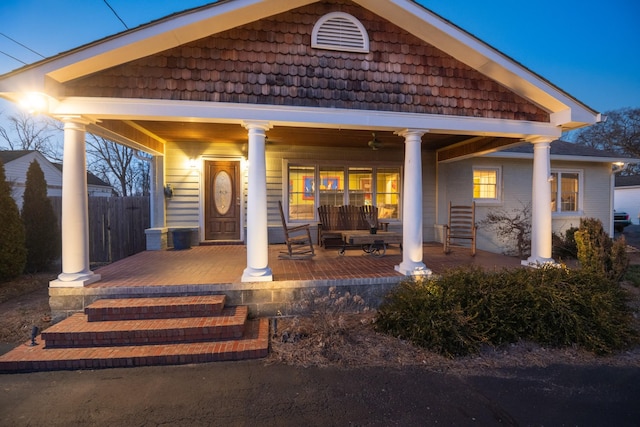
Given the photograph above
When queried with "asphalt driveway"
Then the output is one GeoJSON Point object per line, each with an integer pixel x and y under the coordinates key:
{"type": "Point", "coordinates": [252, 393]}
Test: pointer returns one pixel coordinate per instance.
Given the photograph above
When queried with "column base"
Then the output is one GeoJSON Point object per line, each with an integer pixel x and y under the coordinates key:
{"type": "Point", "coordinates": [537, 262]}
{"type": "Point", "coordinates": [257, 275]}
{"type": "Point", "coordinates": [413, 269]}
{"type": "Point", "coordinates": [157, 238]}
{"type": "Point", "coordinates": [66, 280]}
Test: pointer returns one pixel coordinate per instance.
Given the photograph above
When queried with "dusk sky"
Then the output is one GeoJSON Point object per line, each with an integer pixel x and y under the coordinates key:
{"type": "Point", "coordinates": [589, 49]}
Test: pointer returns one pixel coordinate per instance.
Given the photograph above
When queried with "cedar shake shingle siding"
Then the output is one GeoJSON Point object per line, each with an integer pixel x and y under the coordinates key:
{"type": "Point", "coordinates": [271, 62]}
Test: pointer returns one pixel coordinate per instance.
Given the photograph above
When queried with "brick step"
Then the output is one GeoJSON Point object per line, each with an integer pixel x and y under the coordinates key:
{"type": "Point", "coordinates": [76, 331]}
{"type": "Point", "coordinates": [154, 308]}
{"type": "Point", "coordinates": [25, 358]}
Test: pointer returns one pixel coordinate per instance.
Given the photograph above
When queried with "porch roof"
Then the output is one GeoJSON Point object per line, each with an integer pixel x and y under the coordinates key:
{"type": "Point", "coordinates": [129, 121]}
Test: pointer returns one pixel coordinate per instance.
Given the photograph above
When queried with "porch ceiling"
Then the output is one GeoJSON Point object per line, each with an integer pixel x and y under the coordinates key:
{"type": "Point", "coordinates": [283, 135]}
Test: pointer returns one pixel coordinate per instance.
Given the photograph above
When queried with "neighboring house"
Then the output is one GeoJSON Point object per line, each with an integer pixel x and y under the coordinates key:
{"type": "Point", "coordinates": [244, 103]}
{"type": "Point", "coordinates": [17, 162]}
{"type": "Point", "coordinates": [95, 186]}
{"type": "Point", "coordinates": [627, 196]}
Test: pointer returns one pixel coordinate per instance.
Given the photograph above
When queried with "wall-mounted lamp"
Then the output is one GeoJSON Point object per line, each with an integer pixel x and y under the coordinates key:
{"type": "Point", "coordinates": [193, 163]}
{"type": "Point", "coordinates": [168, 191]}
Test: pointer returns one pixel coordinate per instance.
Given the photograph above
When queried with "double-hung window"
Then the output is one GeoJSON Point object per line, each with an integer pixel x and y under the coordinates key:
{"type": "Point", "coordinates": [486, 184]}
{"type": "Point", "coordinates": [312, 185]}
{"type": "Point", "coordinates": [566, 191]}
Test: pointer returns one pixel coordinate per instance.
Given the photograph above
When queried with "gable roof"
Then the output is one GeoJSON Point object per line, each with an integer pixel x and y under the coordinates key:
{"type": "Point", "coordinates": [426, 73]}
{"type": "Point", "coordinates": [194, 24]}
{"type": "Point", "coordinates": [10, 155]}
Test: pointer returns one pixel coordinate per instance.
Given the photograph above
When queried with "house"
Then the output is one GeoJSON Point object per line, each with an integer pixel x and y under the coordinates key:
{"type": "Point", "coordinates": [244, 103]}
{"type": "Point", "coordinates": [16, 164]}
{"type": "Point", "coordinates": [627, 196]}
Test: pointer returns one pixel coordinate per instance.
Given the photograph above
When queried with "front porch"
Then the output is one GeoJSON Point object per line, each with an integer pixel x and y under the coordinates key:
{"type": "Point", "coordinates": [206, 270]}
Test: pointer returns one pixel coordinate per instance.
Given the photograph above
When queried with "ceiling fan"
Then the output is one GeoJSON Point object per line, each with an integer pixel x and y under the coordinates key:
{"type": "Point", "coordinates": [375, 143]}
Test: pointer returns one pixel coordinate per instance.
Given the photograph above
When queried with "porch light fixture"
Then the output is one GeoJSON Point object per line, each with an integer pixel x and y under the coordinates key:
{"type": "Point", "coordinates": [35, 102]}
{"type": "Point", "coordinates": [193, 163]}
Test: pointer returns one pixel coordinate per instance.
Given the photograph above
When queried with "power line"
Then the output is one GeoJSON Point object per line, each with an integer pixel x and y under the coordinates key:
{"type": "Point", "coordinates": [13, 57]}
{"type": "Point", "coordinates": [24, 46]}
{"type": "Point", "coordinates": [116, 14]}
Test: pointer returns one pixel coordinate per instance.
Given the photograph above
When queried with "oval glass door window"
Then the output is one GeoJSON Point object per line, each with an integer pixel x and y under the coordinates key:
{"type": "Point", "coordinates": [222, 192]}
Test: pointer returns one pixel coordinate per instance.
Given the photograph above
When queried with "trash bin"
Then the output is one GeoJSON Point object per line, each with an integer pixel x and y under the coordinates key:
{"type": "Point", "coordinates": [181, 239]}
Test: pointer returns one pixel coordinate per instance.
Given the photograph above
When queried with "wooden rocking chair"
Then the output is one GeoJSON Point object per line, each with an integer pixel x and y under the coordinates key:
{"type": "Point", "coordinates": [297, 239]}
{"type": "Point", "coordinates": [461, 226]}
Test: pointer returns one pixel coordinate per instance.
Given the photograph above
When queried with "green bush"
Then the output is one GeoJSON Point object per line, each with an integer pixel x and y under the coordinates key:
{"type": "Point", "coordinates": [598, 253]}
{"type": "Point", "coordinates": [12, 250]}
{"type": "Point", "coordinates": [40, 223]}
{"type": "Point", "coordinates": [564, 245]}
{"type": "Point", "coordinates": [459, 311]}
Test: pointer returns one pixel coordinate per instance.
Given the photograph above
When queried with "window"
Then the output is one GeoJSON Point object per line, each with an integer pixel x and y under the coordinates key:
{"type": "Point", "coordinates": [486, 184]}
{"type": "Point", "coordinates": [340, 31]}
{"type": "Point", "coordinates": [302, 192]}
{"type": "Point", "coordinates": [339, 185]}
{"type": "Point", "coordinates": [388, 192]}
{"type": "Point", "coordinates": [360, 186]}
{"type": "Point", "coordinates": [565, 191]}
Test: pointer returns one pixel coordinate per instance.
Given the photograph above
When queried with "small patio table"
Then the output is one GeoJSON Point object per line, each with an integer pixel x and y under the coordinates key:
{"type": "Point", "coordinates": [374, 244]}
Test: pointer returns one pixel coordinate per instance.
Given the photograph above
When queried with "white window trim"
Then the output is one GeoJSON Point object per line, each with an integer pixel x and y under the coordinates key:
{"type": "Point", "coordinates": [580, 209]}
{"type": "Point", "coordinates": [485, 200]}
{"type": "Point", "coordinates": [361, 39]}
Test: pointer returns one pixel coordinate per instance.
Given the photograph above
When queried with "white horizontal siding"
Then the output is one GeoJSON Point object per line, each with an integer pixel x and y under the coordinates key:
{"type": "Point", "coordinates": [455, 183]}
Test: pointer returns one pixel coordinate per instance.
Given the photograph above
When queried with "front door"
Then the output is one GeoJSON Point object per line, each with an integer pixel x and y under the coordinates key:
{"type": "Point", "coordinates": [222, 200]}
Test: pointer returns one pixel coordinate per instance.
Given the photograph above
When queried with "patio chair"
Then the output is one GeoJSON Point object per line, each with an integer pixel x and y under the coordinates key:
{"type": "Point", "coordinates": [297, 239]}
{"type": "Point", "coordinates": [461, 226]}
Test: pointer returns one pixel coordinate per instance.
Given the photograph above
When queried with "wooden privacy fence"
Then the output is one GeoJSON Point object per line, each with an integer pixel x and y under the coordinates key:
{"type": "Point", "coordinates": [116, 226]}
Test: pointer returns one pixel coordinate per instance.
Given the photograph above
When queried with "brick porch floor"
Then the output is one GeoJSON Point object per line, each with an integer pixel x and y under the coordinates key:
{"type": "Point", "coordinates": [224, 265]}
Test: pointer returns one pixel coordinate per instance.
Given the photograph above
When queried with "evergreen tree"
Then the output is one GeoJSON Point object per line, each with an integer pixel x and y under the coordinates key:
{"type": "Point", "coordinates": [40, 222]}
{"type": "Point", "coordinates": [13, 254]}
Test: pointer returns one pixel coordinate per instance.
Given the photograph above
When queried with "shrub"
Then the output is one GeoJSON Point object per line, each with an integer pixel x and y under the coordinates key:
{"type": "Point", "coordinates": [12, 250]}
{"type": "Point", "coordinates": [458, 312]}
{"type": "Point", "coordinates": [512, 228]}
{"type": "Point", "coordinates": [598, 253]}
{"type": "Point", "coordinates": [564, 245]}
{"type": "Point", "coordinates": [40, 222]}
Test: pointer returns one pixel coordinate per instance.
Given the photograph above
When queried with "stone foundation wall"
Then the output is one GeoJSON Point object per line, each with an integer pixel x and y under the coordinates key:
{"type": "Point", "coordinates": [263, 299]}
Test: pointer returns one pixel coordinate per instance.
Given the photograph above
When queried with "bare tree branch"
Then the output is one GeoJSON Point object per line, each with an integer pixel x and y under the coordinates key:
{"type": "Point", "coordinates": [24, 131]}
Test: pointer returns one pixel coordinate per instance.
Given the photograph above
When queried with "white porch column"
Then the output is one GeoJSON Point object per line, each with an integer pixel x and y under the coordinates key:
{"type": "Point", "coordinates": [157, 192]}
{"type": "Point", "coordinates": [157, 234]}
{"type": "Point", "coordinates": [541, 228]}
{"type": "Point", "coordinates": [75, 211]}
{"type": "Point", "coordinates": [257, 233]}
{"type": "Point", "coordinates": [412, 264]}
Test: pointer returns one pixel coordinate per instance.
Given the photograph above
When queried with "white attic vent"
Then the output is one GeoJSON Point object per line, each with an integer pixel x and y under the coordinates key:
{"type": "Point", "coordinates": [340, 31]}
